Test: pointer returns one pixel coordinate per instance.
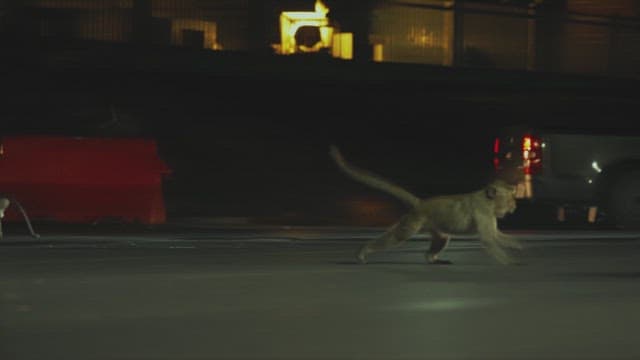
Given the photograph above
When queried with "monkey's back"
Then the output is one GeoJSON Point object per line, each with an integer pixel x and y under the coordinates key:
{"type": "Point", "coordinates": [448, 214]}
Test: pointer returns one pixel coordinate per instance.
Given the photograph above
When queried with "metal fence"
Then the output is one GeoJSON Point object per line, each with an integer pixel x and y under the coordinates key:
{"type": "Point", "coordinates": [212, 24]}
{"type": "Point", "coordinates": [512, 37]}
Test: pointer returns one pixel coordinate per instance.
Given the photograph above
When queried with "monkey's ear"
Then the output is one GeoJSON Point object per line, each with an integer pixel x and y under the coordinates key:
{"type": "Point", "coordinates": [491, 192]}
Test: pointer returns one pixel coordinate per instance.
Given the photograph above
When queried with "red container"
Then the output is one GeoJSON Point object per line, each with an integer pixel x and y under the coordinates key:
{"type": "Point", "coordinates": [83, 180]}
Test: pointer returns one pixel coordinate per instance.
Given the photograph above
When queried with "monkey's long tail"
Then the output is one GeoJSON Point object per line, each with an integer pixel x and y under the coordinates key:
{"type": "Point", "coordinates": [26, 218]}
{"type": "Point", "coordinates": [373, 180]}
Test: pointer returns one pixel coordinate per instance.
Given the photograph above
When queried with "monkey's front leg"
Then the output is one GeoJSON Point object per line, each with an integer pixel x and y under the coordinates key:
{"type": "Point", "coordinates": [508, 241]}
{"type": "Point", "coordinates": [498, 253]}
{"type": "Point", "coordinates": [489, 234]}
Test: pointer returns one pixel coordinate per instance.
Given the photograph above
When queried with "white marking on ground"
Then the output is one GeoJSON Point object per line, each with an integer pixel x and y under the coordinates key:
{"type": "Point", "coordinates": [447, 304]}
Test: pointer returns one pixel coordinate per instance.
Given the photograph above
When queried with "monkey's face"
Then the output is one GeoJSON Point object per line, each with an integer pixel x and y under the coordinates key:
{"type": "Point", "coordinates": [505, 201]}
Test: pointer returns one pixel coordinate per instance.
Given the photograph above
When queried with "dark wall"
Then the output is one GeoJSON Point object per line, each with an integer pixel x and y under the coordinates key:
{"type": "Point", "coordinates": [250, 136]}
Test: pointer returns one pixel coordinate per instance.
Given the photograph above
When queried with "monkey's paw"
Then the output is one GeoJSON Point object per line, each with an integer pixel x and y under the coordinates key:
{"type": "Point", "coordinates": [440, 262]}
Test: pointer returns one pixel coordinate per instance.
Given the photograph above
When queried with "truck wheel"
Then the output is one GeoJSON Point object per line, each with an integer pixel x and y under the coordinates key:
{"type": "Point", "coordinates": [624, 201]}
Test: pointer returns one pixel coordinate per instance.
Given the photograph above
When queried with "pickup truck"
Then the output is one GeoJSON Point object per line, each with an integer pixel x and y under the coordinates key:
{"type": "Point", "coordinates": [596, 170]}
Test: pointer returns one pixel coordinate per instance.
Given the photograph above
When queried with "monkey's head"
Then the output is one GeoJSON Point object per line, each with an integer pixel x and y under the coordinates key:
{"type": "Point", "coordinates": [503, 196]}
{"type": "Point", "coordinates": [4, 204]}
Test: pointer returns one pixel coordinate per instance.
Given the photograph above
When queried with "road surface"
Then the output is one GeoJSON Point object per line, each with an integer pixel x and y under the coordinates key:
{"type": "Point", "coordinates": [296, 293]}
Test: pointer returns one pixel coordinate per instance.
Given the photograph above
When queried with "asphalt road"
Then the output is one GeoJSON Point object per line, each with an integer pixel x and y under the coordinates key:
{"type": "Point", "coordinates": [296, 293]}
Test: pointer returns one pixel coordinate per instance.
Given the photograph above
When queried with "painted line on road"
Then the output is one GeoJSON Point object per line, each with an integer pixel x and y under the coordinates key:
{"type": "Point", "coordinates": [448, 304]}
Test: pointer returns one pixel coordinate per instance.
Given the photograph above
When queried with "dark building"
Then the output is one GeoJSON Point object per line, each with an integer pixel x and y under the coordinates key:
{"type": "Point", "coordinates": [584, 36]}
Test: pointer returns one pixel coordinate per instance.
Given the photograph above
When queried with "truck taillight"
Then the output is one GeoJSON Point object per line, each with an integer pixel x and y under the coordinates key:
{"type": "Point", "coordinates": [496, 153]}
{"type": "Point", "coordinates": [531, 154]}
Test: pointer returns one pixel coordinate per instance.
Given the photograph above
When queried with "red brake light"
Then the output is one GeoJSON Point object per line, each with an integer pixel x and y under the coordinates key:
{"type": "Point", "coordinates": [496, 153]}
{"type": "Point", "coordinates": [531, 154]}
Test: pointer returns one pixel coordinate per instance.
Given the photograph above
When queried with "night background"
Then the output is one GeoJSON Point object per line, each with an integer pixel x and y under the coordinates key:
{"type": "Point", "coordinates": [245, 248]}
{"type": "Point", "coordinates": [246, 130]}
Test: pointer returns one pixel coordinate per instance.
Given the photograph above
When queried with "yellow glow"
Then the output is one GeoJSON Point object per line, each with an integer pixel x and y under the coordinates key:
{"type": "Point", "coordinates": [342, 46]}
{"type": "Point", "coordinates": [370, 211]}
{"type": "Point", "coordinates": [208, 28]}
{"type": "Point", "coordinates": [526, 145]}
{"type": "Point", "coordinates": [524, 189]}
{"type": "Point", "coordinates": [378, 52]}
{"type": "Point", "coordinates": [346, 46]}
{"type": "Point", "coordinates": [292, 21]}
{"type": "Point", "coordinates": [335, 48]}
{"type": "Point", "coordinates": [304, 15]}
{"type": "Point", "coordinates": [593, 213]}
{"type": "Point", "coordinates": [321, 8]}
{"type": "Point", "coordinates": [326, 34]}
{"type": "Point", "coordinates": [420, 36]}
{"type": "Point", "coordinates": [528, 186]}
{"type": "Point", "coordinates": [561, 216]}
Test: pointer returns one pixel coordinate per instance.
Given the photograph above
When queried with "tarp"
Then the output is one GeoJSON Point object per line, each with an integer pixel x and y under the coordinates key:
{"type": "Point", "coordinates": [81, 179]}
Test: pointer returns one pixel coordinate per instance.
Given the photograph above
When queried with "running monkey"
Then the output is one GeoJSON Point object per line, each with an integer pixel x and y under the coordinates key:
{"type": "Point", "coordinates": [442, 216]}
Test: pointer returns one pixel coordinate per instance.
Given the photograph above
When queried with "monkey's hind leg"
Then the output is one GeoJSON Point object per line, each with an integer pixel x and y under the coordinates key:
{"type": "Point", "coordinates": [397, 234]}
{"type": "Point", "coordinates": [439, 242]}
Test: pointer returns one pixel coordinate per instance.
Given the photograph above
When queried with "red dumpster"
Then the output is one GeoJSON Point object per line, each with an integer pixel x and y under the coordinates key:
{"type": "Point", "coordinates": [83, 180]}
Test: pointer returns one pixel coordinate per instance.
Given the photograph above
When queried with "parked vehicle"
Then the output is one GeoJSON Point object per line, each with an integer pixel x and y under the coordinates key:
{"type": "Point", "coordinates": [593, 169]}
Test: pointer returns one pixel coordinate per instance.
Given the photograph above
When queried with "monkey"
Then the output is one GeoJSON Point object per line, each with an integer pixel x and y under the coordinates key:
{"type": "Point", "coordinates": [442, 216]}
{"type": "Point", "coordinates": [4, 204]}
